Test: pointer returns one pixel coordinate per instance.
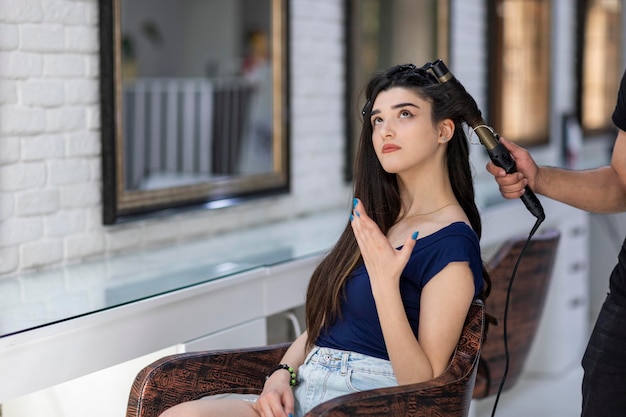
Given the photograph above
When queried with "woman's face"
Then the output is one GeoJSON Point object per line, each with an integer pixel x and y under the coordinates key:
{"type": "Point", "coordinates": [403, 134]}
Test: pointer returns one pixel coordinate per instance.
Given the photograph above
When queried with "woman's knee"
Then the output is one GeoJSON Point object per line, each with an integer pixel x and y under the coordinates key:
{"type": "Point", "coordinates": [212, 408]}
{"type": "Point", "coordinates": [182, 410]}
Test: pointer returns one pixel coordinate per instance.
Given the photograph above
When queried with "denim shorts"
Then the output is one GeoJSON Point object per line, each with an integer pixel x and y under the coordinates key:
{"type": "Point", "coordinates": [328, 373]}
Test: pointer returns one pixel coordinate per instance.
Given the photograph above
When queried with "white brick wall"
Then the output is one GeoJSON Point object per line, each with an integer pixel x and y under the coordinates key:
{"type": "Point", "coordinates": [50, 200]}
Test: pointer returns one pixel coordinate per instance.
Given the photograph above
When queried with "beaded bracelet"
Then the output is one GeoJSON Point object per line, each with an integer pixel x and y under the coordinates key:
{"type": "Point", "coordinates": [292, 373]}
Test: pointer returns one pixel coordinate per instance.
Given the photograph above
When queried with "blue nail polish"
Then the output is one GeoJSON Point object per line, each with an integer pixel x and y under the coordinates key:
{"type": "Point", "coordinates": [414, 236]}
{"type": "Point", "coordinates": [357, 214]}
{"type": "Point", "coordinates": [290, 415]}
{"type": "Point", "coordinates": [354, 202]}
{"type": "Point", "coordinates": [351, 217]}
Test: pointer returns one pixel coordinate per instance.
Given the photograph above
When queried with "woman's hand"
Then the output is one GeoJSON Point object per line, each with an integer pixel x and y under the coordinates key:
{"type": "Point", "coordinates": [276, 400]}
{"type": "Point", "coordinates": [383, 262]}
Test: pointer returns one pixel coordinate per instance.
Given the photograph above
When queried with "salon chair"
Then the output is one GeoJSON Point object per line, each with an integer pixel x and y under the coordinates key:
{"type": "Point", "coordinates": [187, 376]}
{"type": "Point", "coordinates": [528, 294]}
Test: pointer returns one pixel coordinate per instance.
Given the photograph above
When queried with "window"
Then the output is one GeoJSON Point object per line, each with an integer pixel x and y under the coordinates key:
{"type": "Point", "coordinates": [382, 33]}
{"type": "Point", "coordinates": [600, 68]}
{"type": "Point", "coordinates": [193, 103]}
{"type": "Point", "coordinates": [520, 70]}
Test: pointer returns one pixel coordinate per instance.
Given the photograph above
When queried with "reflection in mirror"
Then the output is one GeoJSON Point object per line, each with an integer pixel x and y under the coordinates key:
{"type": "Point", "coordinates": [193, 98]}
{"type": "Point", "coordinates": [600, 73]}
{"type": "Point", "coordinates": [520, 70]}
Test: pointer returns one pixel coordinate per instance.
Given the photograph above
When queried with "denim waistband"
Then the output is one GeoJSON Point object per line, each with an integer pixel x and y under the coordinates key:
{"type": "Point", "coordinates": [337, 358]}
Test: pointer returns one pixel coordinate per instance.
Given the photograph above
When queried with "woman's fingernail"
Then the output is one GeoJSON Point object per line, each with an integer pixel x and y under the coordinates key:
{"type": "Point", "coordinates": [357, 213]}
{"type": "Point", "coordinates": [290, 415]}
{"type": "Point", "coordinates": [351, 217]}
{"type": "Point", "coordinates": [414, 236]}
{"type": "Point", "coordinates": [354, 202]}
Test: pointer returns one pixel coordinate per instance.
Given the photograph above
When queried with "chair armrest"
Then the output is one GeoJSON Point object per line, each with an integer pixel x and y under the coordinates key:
{"type": "Point", "coordinates": [188, 376]}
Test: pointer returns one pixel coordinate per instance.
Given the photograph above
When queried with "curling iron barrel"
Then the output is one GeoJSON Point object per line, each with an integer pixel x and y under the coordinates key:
{"type": "Point", "coordinates": [498, 154]}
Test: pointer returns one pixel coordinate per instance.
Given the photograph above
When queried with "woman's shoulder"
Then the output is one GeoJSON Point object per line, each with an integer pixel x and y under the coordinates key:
{"type": "Point", "coordinates": [448, 228]}
{"type": "Point", "coordinates": [455, 242]}
{"type": "Point", "coordinates": [457, 231]}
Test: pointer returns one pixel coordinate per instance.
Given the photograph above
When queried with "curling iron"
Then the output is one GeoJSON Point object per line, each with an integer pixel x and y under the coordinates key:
{"type": "Point", "coordinates": [498, 154]}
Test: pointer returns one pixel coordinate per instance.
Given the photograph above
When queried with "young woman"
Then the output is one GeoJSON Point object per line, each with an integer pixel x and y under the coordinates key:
{"type": "Point", "coordinates": [387, 305]}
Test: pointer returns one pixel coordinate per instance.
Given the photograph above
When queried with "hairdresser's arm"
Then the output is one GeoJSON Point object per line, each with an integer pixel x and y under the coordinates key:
{"type": "Point", "coordinates": [277, 396]}
{"type": "Point", "coordinates": [413, 360]}
{"type": "Point", "coordinates": [600, 190]}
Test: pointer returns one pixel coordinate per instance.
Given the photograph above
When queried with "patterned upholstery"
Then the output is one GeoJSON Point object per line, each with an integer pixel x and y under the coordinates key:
{"type": "Point", "coordinates": [527, 298]}
{"type": "Point", "coordinates": [181, 377]}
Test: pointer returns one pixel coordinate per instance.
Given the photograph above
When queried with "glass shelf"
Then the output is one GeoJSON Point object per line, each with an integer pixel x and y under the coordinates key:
{"type": "Point", "coordinates": [33, 300]}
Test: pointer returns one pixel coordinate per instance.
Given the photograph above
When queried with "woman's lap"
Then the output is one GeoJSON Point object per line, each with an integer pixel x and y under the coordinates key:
{"type": "Point", "coordinates": [325, 374]}
{"type": "Point", "coordinates": [329, 373]}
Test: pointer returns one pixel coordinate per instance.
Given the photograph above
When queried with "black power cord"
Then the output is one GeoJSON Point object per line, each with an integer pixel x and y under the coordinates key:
{"type": "Point", "coordinates": [506, 314]}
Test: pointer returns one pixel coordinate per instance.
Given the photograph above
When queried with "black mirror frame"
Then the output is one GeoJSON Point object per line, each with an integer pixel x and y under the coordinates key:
{"type": "Point", "coordinates": [120, 204]}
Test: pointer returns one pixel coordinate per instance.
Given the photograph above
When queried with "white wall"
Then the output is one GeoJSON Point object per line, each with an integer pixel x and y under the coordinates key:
{"type": "Point", "coordinates": [50, 181]}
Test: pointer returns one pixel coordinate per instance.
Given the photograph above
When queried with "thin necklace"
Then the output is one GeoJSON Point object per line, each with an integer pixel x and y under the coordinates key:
{"type": "Point", "coordinates": [430, 212]}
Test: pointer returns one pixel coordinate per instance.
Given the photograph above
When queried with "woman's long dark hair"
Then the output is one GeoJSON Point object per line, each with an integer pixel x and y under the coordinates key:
{"type": "Point", "coordinates": [379, 193]}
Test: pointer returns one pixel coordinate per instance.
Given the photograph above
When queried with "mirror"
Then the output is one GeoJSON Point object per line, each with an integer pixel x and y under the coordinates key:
{"type": "Point", "coordinates": [520, 70]}
{"type": "Point", "coordinates": [193, 103]}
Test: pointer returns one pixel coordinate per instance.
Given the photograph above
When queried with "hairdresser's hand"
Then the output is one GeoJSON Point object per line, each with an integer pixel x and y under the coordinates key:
{"type": "Point", "coordinates": [512, 185]}
{"type": "Point", "coordinates": [383, 262]}
{"type": "Point", "coordinates": [276, 400]}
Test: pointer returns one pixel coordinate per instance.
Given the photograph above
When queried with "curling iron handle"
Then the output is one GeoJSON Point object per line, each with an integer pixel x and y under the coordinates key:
{"type": "Point", "coordinates": [501, 157]}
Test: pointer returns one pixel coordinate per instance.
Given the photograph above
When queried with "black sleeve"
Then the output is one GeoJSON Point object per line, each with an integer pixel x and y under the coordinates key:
{"type": "Point", "coordinates": [619, 114]}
